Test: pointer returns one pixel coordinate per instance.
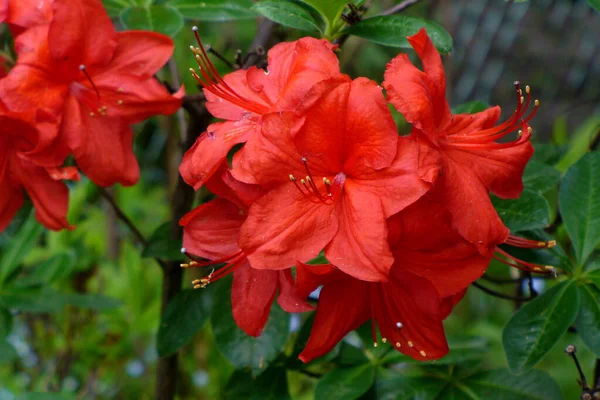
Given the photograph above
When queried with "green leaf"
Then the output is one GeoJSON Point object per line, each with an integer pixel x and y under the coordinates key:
{"type": "Point", "coordinates": [502, 385]}
{"type": "Point", "coordinates": [391, 385]}
{"type": "Point", "coordinates": [47, 396]}
{"type": "Point", "coordinates": [595, 4]}
{"type": "Point", "coordinates": [243, 350]}
{"type": "Point", "coordinates": [594, 276]}
{"type": "Point", "coordinates": [471, 107]}
{"type": "Point", "coordinates": [7, 352]}
{"type": "Point", "coordinates": [184, 316]}
{"type": "Point", "coordinates": [287, 13]}
{"type": "Point", "coordinates": [163, 19]}
{"type": "Point", "coordinates": [392, 31]}
{"type": "Point", "coordinates": [345, 383]}
{"type": "Point", "coordinates": [579, 143]}
{"type": "Point", "coordinates": [536, 327]}
{"type": "Point", "coordinates": [540, 177]}
{"type": "Point", "coordinates": [52, 270]}
{"type": "Point", "coordinates": [6, 322]}
{"type": "Point", "coordinates": [579, 204]}
{"type": "Point", "coordinates": [588, 319]}
{"type": "Point", "coordinates": [19, 247]}
{"type": "Point", "coordinates": [530, 211]}
{"type": "Point", "coordinates": [329, 9]}
{"type": "Point", "coordinates": [92, 301]}
{"type": "Point", "coordinates": [114, 7]}
{"type": "Point", "coordinates": [270, 385]}
{"type": "Point", "coordinates": [214, 10]}
{"type": "Point", "coordinates": [160, 244]}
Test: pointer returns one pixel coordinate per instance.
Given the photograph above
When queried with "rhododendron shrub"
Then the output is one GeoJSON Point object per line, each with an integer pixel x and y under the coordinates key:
{"type": "Point", "coordinates": [330, 225]}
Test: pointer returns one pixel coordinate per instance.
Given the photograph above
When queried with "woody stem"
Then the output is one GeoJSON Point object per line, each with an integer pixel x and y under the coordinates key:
{"type": "Point", "coordinates": [183, 196]}
{"type": "Point", "coordinates": [500, 295]}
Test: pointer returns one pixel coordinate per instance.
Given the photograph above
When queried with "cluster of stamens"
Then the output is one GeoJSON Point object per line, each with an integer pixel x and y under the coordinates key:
{"type": "Point", "coordinates": [210, 79]}
{"type": "Point", "coordinates": [384, 340]}
{"type": "Point", "coordinates": [517, 121]}
{"type": "Point", "coordinates": [102, 110]}
{"type": "Point", "coordinates": [309, 189]}
{"type": "Point", "coordinates": [231, 262]}
{"type": "Point", "coordinates": [507, 259]}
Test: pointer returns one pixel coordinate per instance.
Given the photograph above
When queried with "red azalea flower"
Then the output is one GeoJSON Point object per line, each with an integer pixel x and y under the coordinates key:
{"type": "Point", "coordinates": [211, 231]}
{"type": "Point", "coordinates": [21, 170]}
{"type": "Point", "coordinates": [434, 251]}
{"type": "Point", "coordinates": [464, 146]}
{"type": "Point", "coordinates": [99, 80]}
{"type": "Point", "coordinates": [349, 173]}
{"type": "Point", "coordinates": [407, 309]}
{"type": "Point", "coordinates": [24, 14]}
{"type": "Point", "coordinates": [244, 96]}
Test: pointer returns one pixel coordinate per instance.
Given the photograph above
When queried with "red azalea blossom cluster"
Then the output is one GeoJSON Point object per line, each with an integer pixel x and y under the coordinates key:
{"type": "Point", "coordinates": [406, 222]}
{"type": "Point", "coordinates": [76, 88]}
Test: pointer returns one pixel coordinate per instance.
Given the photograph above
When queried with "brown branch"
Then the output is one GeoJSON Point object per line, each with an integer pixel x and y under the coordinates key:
{"type": "Point", "coordinates": [122, 216]}
{"type": "Point", "coordinates": [183, 196]}
{"type": "Point", "coordinates": [399, 7]}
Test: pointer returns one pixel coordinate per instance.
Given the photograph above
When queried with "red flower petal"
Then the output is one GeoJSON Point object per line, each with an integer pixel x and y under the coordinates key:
{"type": "Point", "coordinates": [288, 299]}
{"type": "Point", "coordinates": [211, 230]}
{"type": "Point", "coordinates": [252, 294]}
{"type": "Point", "coordinates": [283, 227]}
{"type": "Point", "coordinates": [10, 201]}
{"type": "Point", "coordinates": [360, 247]}
{"type": "Point", "coordinates": [103, 147]}
{"type": "Point", "coordinates": [343, 306]}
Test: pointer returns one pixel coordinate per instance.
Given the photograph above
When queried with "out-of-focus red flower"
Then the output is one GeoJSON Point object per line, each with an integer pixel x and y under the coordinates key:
{"type": "Point", "coordinates": [21, 169]}
{"type": "Point", "coordinates": [407, 309]}
{"type": "Point", "coordinates": [349, 171]}
{"type": "Point", "coordinates": [211, 231]}
{"type": "Point", "coordinates": [470, 160]}
{"type": "Point", "coordinates": [3, 67]}
{"type": "Point", "coordinates": [24, 14]}
{"type": "Point", "coordinates": [96, 80]}
{"type": "Point", "coordinates": [244, 96]}
{"type": "Point", "coordinates": [424, 242]}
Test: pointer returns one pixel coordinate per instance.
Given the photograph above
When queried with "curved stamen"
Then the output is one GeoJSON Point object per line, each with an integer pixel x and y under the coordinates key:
{"type": "Point", "coordinates": [89, 78]}
{"type": "Point", "coordinates": [514, 262]}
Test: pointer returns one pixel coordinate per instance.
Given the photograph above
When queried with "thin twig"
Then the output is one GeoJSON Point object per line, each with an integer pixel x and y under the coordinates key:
{"type": "Point", "coordinates": [500, 295]}
{"type": "Point", "coordinates": [121, 215]}
{"type": "Point", "coordinates": [399, 7]}
{"type": "Point", "coordinates": [177, 83]}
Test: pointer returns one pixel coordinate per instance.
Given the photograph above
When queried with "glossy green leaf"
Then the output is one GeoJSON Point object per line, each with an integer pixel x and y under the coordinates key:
{"type": "Point", "coordinates": [185, 314]}
{"type": "Point", "coordinates": [329, 9]}
{"type": "Point", "coordinates": [530, 211]}
{"type": "Point", "coordinates": [540, 177]}
{"type": "Point", "coordinates": [7, 352]}
{"type": "Point", "coordinates": [270, 385]}
{"type": "Point", "coordinates": [47, 396]}
{"type": "Point", "coordinates": [471, 107]}
{"type": "Point", "coordinates": [502, 385]}
{"type": "Point", "coordinates": [588, 319]}
{"type": "Point", "coordinates": [114, 7]}
{"type": "Point", "coordinates": [595, 4]}
{"type": "Point", "coordinates": [241, 350]}
{"type": "Point", "coordinates": [580, 142]}
{"type": "Point", "coordinates": [345, 383]}
{"type": "Point", "coordinates": [288, 14]}
{"type": "Point", "coordinates": [462, 349]}
{"type": "Point", "coordinates": [163, 19]}
{"type": "Point", "coordinates": [392, 31]}
{"type": "Point", "coordinates": [215, 10]}
{"type": "Point", "coordinates": [392, 385]}
{"type": "Point", "coordinates": [536, 327]}
{"type": "Point", "coordinates": [594, 276]}
{"type": "Point", "coordinates": [19, 247]}
{"type": "Point", "coordinates": [160, 244]}
{"type": "Point", "coordinates": [579, 204]}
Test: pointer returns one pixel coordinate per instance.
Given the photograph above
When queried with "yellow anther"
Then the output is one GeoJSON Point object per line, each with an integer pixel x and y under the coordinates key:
{"type": "Point", "coordinates": [520, 92]}
{"type": "Point", "coordinates": [197, 286]}
{"type": "Point", "coordinates": [522, 99]}
{"type": "Point", "coordinates": [119, 102]}
{"type": "Point", "coordinates": [308, 178]}
{"type": "Point", "coordinates": [422, 352]}
{"type": "Point", "coordinates": [292, 178]}
{"type": "Point", "coordinates": [375, 344]}
{"type": "Point", "coordinates": [302, 181]}
{"type": "Point", "coordinates": [398, 344]}
{"type": "Point", "coordinates": [196, 282]}
{"type": "Point", "coordinates": [184, 265]}
{"type": "Point", "coordinates": [550, 244]}
{"type": "Point", "coordinates": [537, 102]}
{"type": "Point", "coordinates": [410, 344]}
{"type": "Point", "coordinates": [527, 89]}
{"type": "Point", "coordinates": [384, 340]}
{"type": "Point", "coordinates": [326, 181]}
{"type": "Point", "coordinates": [520, 133]}
{"type": "Point", "coordinates": [92, 114]}
{"type": "Point", "coordinates": [529, 129]}
{"type": "Point", "coordinates": [120, 90]}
